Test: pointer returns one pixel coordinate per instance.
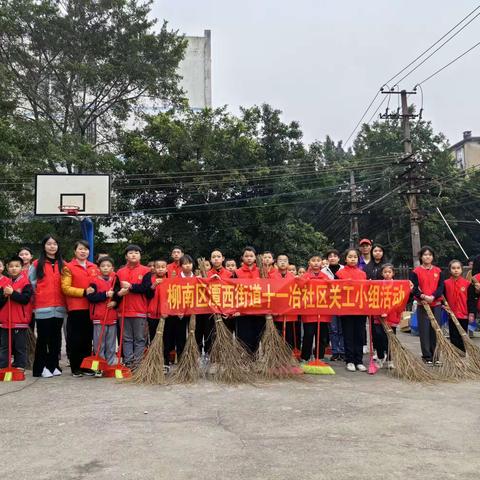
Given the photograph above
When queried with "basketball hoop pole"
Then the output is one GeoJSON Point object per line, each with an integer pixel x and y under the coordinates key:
{"type": "Point", "coordinates": [88, 234]}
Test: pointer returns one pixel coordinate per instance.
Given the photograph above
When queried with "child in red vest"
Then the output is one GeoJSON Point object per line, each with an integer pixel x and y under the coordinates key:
{"type": "Point", "coordinates": [460, 295]}
{"type": "Point", "coordinates": [392, 318]}
{"type": "Point", "coordinates": [269, 265]}
{"type": "Point", "coordinates": [103, 310]}
{"type": "Point", "coordinates": [174, 268]}
{"type": "Point", "coordinates": [310, 322]}
{"type": "Point", "coordinates": [428, 286]}
{"type": "Point", "coordinates": [231, 266]}
{"type": "Point", "coordinates": [285, 324]}
{"type": "Point", "coordinates": [136, 281]}
{"type": "Point", "coordinates": [15, 295]}
{"type": "Point", "coordinates": [353, 326]}
{"type": "Point", "coordinates": [249, 327]}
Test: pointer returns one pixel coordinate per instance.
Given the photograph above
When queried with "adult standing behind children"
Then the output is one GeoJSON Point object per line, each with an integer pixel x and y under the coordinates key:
{"type": "Point", "coordinates": [76, 279]}
{"type": "Point", "coordinates": [49, 308]}
{"type": "Point", "coordinates": [373, 269]}
{"type": "Point", "coordinates": [365, 247]}
{"type": "Point", "coordinates": [174, 269]}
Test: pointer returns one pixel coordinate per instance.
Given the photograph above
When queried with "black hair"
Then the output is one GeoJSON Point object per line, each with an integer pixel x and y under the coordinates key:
{"type": "Point", "coordinates": [425, 249]}
{"type": "Point", "coordinates": [15, 258]}
{"type": "Point", "coordinates": [186, 259]}
{"type": "Point", "coordinates": [377, 245]}
{"type": "Point", "coordinates": [332, 251]}
{"type": "Point", "coordinates": [282, 255]}
{"type": "Point", "coordinates": [43, 256]}
{"type": "Point", "coordinates": [178, 247]}
{"type": "Point", "coordinates": [105, 258]}
{"type": "Point", "coordinates": [249, 249]}
{"type": "Point", "coordinates": [476, 265]}
{"type": "Point", "coordinates": [133, 248]}
{"type": "Point", "coordinates": [230, 260]}
{"type": "Point", "coordinates": [348, 250]}
{"type": "Point", "coordinates": [387, 265]}
{"type": "Point", "coordinates": [82, 243]}
{"type": "Point", "coordinates": [216, 250]}
{"type": "Point", "coordinates": [159, 260]}
{"type": "Point", "coordinates": [451, 262]}
{"type": "Point", "coordinates": [25, 248]}
{"type": "Point", "coordinates": [270, 252]}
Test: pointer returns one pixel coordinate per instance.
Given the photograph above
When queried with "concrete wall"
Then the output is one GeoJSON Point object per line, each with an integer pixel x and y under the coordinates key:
{"type": "Point", "coordinates": [471, 154]}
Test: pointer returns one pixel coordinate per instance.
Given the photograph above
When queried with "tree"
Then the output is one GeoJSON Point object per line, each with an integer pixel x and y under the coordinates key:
{"type": "Point", "coordinates": [76, 68]}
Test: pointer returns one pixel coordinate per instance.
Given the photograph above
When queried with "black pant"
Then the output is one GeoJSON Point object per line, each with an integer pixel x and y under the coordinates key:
{"type": "Point", "coordinates": [174, 336]}
{"type": "Point", "coordinates": [19, 347]}
{"type": "Point", "coordinates": [49, 343]}
{"type": "Point", "coordinates": [310, 330]}
{"type": "Point", "coordinates": [152, 328]}
{"type": "Point", "coordinates": [353, 327]}
{"type": "Point", "coordinates": [380, 341]}
{"type": "Point", "coordinates": [455, 336]}
{"type": "Point", "coordinates": [428, 337]}
{"type": "Point", "coordinates": [289, 332]}
{"type": "Point", "coordinates": [79, 337]}
{"type": "Point", "coordinates": [204, 332]}
{"type": "Point", "coordinates": [249, 330]}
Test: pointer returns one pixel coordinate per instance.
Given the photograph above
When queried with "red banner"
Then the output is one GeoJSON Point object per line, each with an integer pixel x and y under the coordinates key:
{"type": "Point", "coordinates": [184, 296]}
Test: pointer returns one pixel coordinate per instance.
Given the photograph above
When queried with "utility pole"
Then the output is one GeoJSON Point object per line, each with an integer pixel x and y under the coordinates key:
{"type": "Point", "coordinates": [353, 216]}
{"type": "Point", "coordinates": [411, 161]}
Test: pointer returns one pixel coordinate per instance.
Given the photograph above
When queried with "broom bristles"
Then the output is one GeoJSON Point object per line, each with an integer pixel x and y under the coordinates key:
{"type": "Point", "coordinates": [453, 367]}
{"type": "Point", "coordinates": [151, 369]}
{"type": "Point", "coordinates": [472, 351]}
{"type": "Point", "coordinates": [188, 367]}
{"type": "Point", "coordinates": [230, 356]}
{"type": "Point", "coordinates": [31, 344]}
{"type": "Point", "coordinates": [275, 359]}
{"type": "Point", "coordinates": [407, 365]}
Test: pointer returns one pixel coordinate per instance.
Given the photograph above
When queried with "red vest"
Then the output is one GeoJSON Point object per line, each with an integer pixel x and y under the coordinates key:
{"type": "Point", "coordinates": [351, 273]}
{"type": "Point", "coordinates": [245, 272]}
{"type": "Point", "coordinates": [18, 312]}
{"type": "Point", "coordinates": [98, 310]}
{"type": "Point", "coordinates": [174, 270]}
{"type": "Point", "coordinates": [285, 318]}
{"type": "Point", "coordinates": [222, 273]}
{"type": "Point", "coordinates": [48, 292]}
{"type": "Point", "coordinates": [428, 279]}
{"type": "Point", "coordinates": [133, 304]}
{"type": "Point", "coordinates": [456, 293]}
{"type": "Point", "coordinates": [82, 277]}
{"type": "Point", "coordinates": [309, 275]}
{"type": "Point", "coordinates": [154, 303]}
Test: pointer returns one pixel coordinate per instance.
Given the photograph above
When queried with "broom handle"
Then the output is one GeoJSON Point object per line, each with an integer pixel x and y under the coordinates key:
{"type": "Point", "coordinates": [9, 306]}
{"type": "Point", "coordinates": [102, 331]}
{"type": "Point", "coordinates": [295, 335]}
{"type": "Point", "coordinates": [431, 317]}
{"type": "Point", "coordinates": [454, 318]}
{"type": "Point", "coordinates": [119, 353]}
{"type": "Point", "coordinates": [370, 327]}
{"type": "Point", "coordinates": [284, 328]}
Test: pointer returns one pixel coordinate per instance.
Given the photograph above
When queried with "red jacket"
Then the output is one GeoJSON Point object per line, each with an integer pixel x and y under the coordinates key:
{"type": "Point", "coordinates": [457, 295]}
{"type": "Point", "coordinates": [75, 280]}
{"type": "Point", "coordinates": [154, 303]}
{"type": "Point", "coordinates": [351, 273]}
{"type": "Point", "coordinates": [429, 282]}
{"type": "Point", "coordinates": [99, 313]}
{"type": "Point", "coordinates": [48, 292]}
{"type": "Point", "coordinates": [285, 318]}
{"type": "Point", "coordinates": [18, 301]}
{"type": "Point", "coordinates": [135, 303]}
{"type": "Point", "coordinates": [310, 275]}
{"type": "Point", "coordinates": [245, 272]}
{"type": "Point", "coordinates": [222, 272]}
{"type": "Point", "coordinates": [174, 270]}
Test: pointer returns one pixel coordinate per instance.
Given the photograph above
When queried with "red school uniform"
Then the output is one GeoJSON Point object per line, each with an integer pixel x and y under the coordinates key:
{"type": "Point", "coordinates": [245, 272]}
{"type": "Point", "coordinates": [98, 310]}
{"type": "Point", "coordinates": [17, 311]}
{"type": "Point", "coordinates": [351, 273]}
{"type": "Point", "coordinates": [81, 277]}
{"type": "Point", "coordinates": [311, 275]}
{"type": "Point", "coordinates": [134, 304]}
{"type": "Point", "coordinates": [457, 295]}
{"type": "Point", "coordinates": [154, 303]}
{"type": "Point", "coordinates": [174, 270]}
{"type": "Point", "coordinates": [222, 272]}
{"type": "Point", "coordinates": [428, 282]}
{"type": "Point", "coordinates": [48, 292]}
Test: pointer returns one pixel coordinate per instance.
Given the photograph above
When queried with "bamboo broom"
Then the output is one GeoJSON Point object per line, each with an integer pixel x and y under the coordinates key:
{"type": "Point", "coordinates": [151, 370]}
{"type": "Point", "coordinates": [188, 367]}
{"type": "Point", "coordinates": [407, 365]}
{"type": "Point", "coordinates": [452, 366]}
{"type": "Point", "coordinates": [274, 358]}
{"type": "Point", "coordinates": [472, 351]}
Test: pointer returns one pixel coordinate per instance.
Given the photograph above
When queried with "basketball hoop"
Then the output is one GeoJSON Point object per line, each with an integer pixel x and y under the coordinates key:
{"type": "Point", "coordinates": [71, 210]}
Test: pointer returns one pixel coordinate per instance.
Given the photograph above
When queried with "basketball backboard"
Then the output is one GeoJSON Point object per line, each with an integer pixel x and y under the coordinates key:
{"type": "Point", "coordinates": [90, 194]}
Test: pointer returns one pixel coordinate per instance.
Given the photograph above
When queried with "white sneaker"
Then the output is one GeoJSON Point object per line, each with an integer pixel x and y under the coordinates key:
{"type": "Point", "coordinates": [350, 367]}
{"type": "Point", "coordinates": [47, 373]}
{"type": "Point", "coordinates": [57, 372]}
{"type": "Point", "coordinates": [379, 362]}
{"type": "Point", "coordinates": [361, 367]}
{"type": "Point", "coordinates": [390, 365]}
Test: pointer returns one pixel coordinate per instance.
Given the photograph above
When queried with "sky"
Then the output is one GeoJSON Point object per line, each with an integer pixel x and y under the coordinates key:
{"type": "Point", "coordinates": [321, 61]}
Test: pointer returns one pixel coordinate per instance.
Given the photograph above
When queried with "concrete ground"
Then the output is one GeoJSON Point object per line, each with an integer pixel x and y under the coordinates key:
{"type": "Point", "coordinates": [347, 426]}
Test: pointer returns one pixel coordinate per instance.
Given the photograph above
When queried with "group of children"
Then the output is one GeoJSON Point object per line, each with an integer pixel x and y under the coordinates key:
{"type": "Point", "coordinates": [41, 293]}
